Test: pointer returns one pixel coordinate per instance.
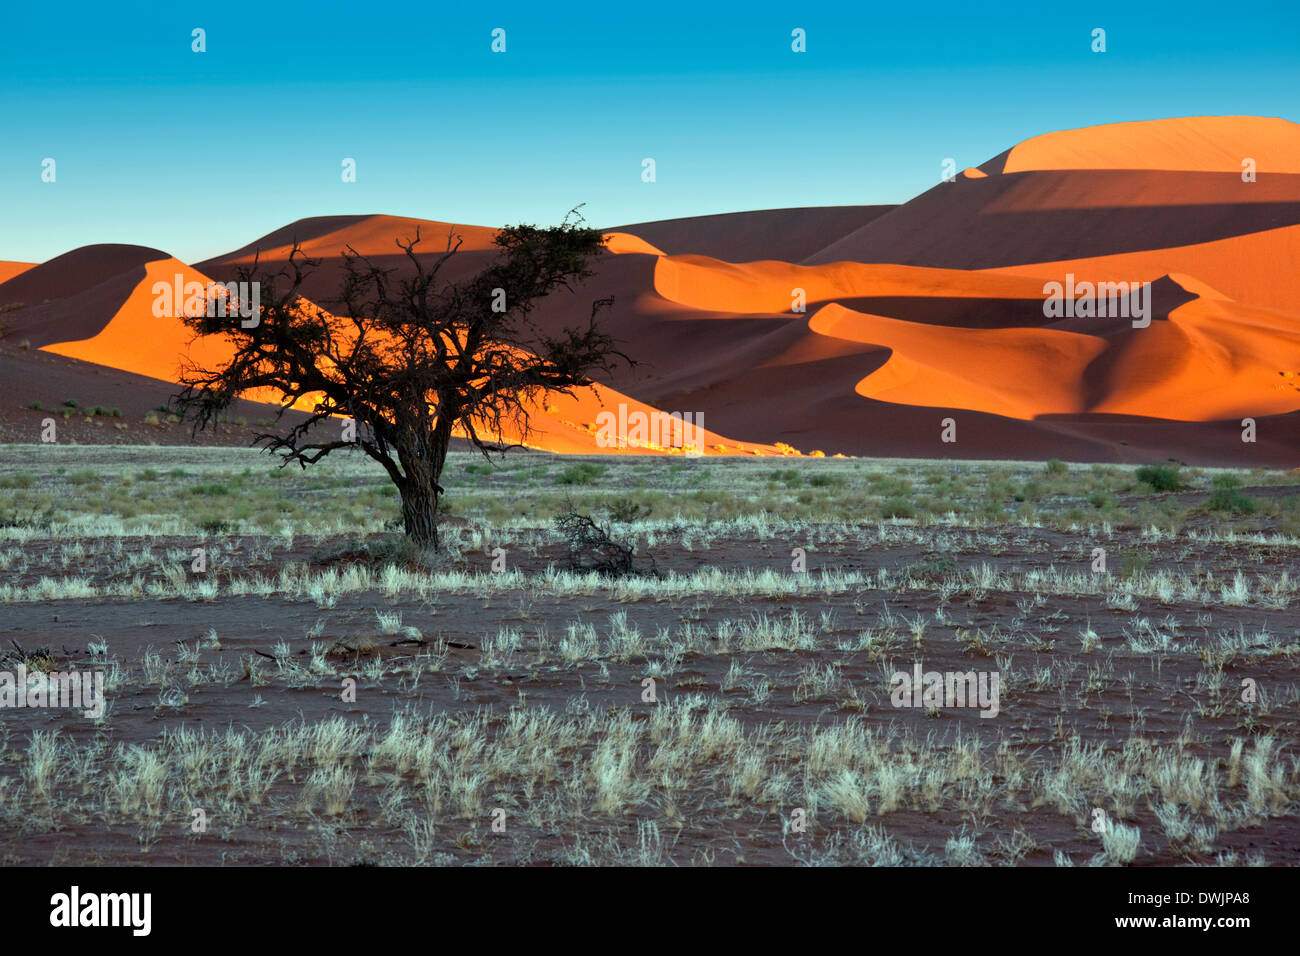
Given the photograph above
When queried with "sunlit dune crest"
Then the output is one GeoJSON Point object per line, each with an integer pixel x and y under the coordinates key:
{"type": "Point", "coordinates": [711, 284]}
{"type": "Point", "coordinates": [1260, 269]}
{"type": "Point", "coordinates": [1202, 143]}
{"type": "Point", "coordinates": [624, 243]}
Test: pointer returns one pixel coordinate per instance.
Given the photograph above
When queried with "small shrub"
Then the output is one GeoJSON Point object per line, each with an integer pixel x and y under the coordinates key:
{"type": "Point", "coordinates": [583, 473]}
{"type": "Point", "coordinates": [1160, 477]}
{"type": "Point", "coordinates": [38, 521]}
{"type": "Point", "coordinates": [897, 507]}
{"type": "Point", "coordinates": [1231, 500]}
{"type": "Point", "coordinates": [592, 549]}
{"type": "Point", "coordinates": [787, 476]}
{"type": "Point", "coordinates": [1056, 467]}
{"type": "Point", "coordinates": [625, 510]}
{"type": "Point", "coordinates": [1135, 563]}
{"type": "Point", "coordinates": [70, 403]}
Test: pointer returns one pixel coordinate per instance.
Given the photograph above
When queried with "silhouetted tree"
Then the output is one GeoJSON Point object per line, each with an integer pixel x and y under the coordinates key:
{"type": "Point", "coordinates": [410, 358]}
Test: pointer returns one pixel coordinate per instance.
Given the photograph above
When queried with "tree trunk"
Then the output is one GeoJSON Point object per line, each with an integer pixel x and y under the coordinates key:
{"type": "Point", "coordinates": [423, 456]}
{"type": "Point", "coordinates": [420, 513]}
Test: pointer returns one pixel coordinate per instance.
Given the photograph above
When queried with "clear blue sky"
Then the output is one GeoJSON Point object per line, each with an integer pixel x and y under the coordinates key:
{"type": "Point", "coordinates": [199, 153]}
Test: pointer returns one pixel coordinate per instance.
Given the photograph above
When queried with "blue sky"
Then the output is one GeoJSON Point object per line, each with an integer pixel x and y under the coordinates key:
{"type": "Point", "coordinates": [197, 154]}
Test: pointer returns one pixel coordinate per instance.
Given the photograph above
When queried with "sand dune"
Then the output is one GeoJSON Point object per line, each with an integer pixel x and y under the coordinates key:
{"type": "Point", "coordinates": [369, 235]}
{"type": "Point", "coordinates": [1252, 356]}
{"type": "Point", "coordinates": [1201, 143]}
{"type": "Point", "coordinates": [10, 269]}
{"type": "Point", "coordinates": [75, 272]}
{"type": "Point", "coordinates": [1260, 269]}
{"type": "Point", "coordinates": [135, 340]}
{"type": "Point", "coordinates": [911, 313]}
{"type": "Point", "coordinates": [789, 234]}
{"type": "Point", "coordinates": [1017, 373]}
{"type": "Point", "coordinates": [1054, 215]}
{"type": "Point", "coordinates": [710, 284]}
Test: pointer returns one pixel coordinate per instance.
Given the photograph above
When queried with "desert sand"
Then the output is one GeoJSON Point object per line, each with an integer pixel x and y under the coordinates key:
{"type": "Point", "coordinates": [910, 314]}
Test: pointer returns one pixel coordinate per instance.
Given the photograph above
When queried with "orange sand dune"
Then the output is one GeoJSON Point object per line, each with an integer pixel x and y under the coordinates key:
{"type": "Point", "coordinates": [75, 272]}
{"type": "Point", "coordinates": [624, 243]}
{"type": "Point", "coordinates": [137, 341]}
{"type": "Point", "coordinates": [710, 284]}
{"type": "Point", "coordinates": [1202, 143]}
{"type": "Point", "coordinates": [1019, 373]}
{"type": "Point", "coordinates": [787, 234]}
{"type": "Point", "coordinates": [374, 235]}
{"type": "Point", "coordinates": [75, 295]}
{"type": "Point", "coordinates": [326, 238]}
{"type": "Point", "coordinates": [1260, 269]}
{"type": "Point", "coordinates": [1100, 191]}
{"type": "Point", "coordinates": [913, 313]}
{"type": "Point", "coordinates": [1050, 215]}
{"type": "Point", "coordinates": [1251, 355]}
{"type": "Point", "coordinates": [10, 269]}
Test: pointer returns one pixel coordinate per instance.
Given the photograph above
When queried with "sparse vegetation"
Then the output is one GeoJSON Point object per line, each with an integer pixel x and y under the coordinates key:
{"type": "Point", "coordinates": [512, 678]}
{"type": "Point", "coordinates": [1160, 477]}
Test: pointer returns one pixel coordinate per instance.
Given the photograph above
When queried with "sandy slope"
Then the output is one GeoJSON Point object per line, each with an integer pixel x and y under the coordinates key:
{"type": "Point", "coordinates": [10, 269]}
{"type": "Point", "coordinates": [135, 340]}
{"type": "Point", "coordinates": [1202, 143]}
{"type": "Point", "coordinates": [911, 313]}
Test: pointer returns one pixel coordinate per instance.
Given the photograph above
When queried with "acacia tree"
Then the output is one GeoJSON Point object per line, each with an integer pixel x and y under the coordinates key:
{"type": "Point", "coordinates": [409, 358]}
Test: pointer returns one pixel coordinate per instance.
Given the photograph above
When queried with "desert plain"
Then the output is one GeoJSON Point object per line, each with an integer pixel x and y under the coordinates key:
{"type": "Point", "coordinates": [910, 466]}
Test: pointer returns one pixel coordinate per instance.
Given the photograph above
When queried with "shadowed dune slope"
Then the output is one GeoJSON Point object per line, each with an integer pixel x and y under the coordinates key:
{"type": "Point", "coordinates": [325, 238]}
{"type": "Point", "coordinates": [789, 234]}
{"type": "Point", "coordinates": [1067, 214]}
{"type": "Point", "coordinates": [1100, 190]}
{"type": "Point", "coordinates": [75, 295]}
{"type": "Point", "coordinates": [74, 272]}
